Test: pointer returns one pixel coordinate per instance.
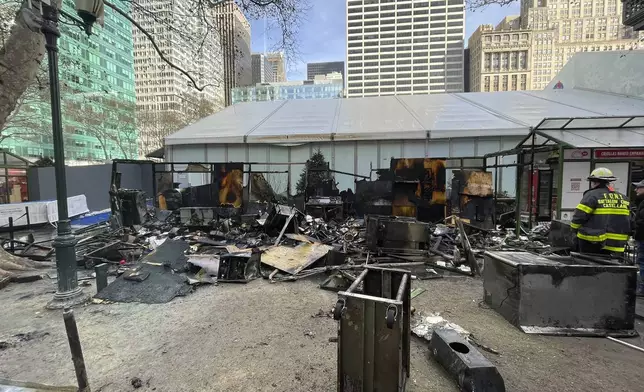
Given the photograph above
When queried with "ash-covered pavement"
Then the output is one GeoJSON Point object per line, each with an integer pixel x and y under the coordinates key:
{"type": "Point", "coordinates": [271, 337]}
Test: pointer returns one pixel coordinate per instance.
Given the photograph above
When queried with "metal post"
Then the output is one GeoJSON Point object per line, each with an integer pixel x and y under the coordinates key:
{"type": "Point", "coordinates": [101, 276]}
{"type": "Point", "coordinates": [560, 181]}
{"type": "Point", "coordinates": [11, 234]}
{"type": "Point", "coordinates": [28, 218]}
{"type": "Point", "coordinates": [68, 293]}
{"type": "Point", "coordinates": [76, 350]}
{"type": "Point", "coordinates": [532, 184]}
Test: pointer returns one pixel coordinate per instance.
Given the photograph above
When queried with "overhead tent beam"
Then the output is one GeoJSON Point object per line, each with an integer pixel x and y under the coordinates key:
{"type": "Point", "coordinates": [570, 121]}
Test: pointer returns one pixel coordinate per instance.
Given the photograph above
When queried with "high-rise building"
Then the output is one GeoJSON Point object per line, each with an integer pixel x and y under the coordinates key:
{"type": "Point", "coordinates": [580, 26]}
{"type": "Point", "coordinates": [315, 69]}
{"type": "Point", "coordinates": [97, 93]}
{"type": "Point", "coordinates": [404, 47]}
{"type": "Point", "coordinates": [262, 69]}
{"type": "Point", "coordinates": [466, 70]}
{"type": "Point", "coordinates": [279, 66]}
{"type": "Point", "coordinates": [234, 35]}
{"type": "Point", "coordinates": [633, 14]}
{"type": "Point", "coordinates": [165, 97]}
{"type": "Point", "coordinates": [500, 59]}
{"type": "Point", "coordinates": [321, 87]}
{"type": "Point", "coordinates": [545, 36]}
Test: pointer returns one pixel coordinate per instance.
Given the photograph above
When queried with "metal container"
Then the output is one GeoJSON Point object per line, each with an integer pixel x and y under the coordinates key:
{"type": "Point", "coordinates": [374, 332]}
{"type": "Point", "coordinates": [576, 295]}
{"type": "Point", "coordinates": [240, 267]}
{"type": "Point", "coordinates": [385, 232]}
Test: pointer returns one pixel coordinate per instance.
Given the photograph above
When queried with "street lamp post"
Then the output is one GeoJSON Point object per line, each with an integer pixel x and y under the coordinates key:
{"type": "Point", "coordinates": [68, 293]}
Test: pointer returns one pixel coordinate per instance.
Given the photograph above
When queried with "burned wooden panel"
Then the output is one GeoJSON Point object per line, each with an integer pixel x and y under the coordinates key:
{"type": "Point", "coordinates": [471, 198]}
{"type": "Point", "coordinates": [229, 178]}
{"type": "Point", "coordinates": [419, 188]}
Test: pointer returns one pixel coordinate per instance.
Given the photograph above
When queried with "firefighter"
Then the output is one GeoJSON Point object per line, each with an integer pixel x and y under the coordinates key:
{"type": "Point", "coordinates": [638, 232]}
{"type": "Point", "coordinates": [602, 218]}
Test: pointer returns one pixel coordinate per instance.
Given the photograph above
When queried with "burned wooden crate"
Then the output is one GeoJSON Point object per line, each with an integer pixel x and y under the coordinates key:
{"type": "Point", "coordinates": [386, 232]}
{"type": "Point", "coordinates": [575, 295]}
{"type": "Point", "coordinates": [374, 332]}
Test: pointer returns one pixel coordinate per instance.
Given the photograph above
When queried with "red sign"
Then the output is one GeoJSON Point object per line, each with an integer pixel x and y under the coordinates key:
{"type": "Point", "coordinates": [617, 153]}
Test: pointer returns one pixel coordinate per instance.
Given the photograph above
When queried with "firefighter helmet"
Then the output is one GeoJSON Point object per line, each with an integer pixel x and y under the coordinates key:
{"type": "Point", "coordinates": [602, 174]}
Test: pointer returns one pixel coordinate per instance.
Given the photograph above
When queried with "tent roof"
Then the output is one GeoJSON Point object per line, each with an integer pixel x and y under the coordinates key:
{"type": "Point", "coordinates": [436, 116]}
{"type": "Point", "coordinates": [597, 132]}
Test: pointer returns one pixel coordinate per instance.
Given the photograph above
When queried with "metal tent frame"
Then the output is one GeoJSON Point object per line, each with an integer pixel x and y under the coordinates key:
{"type": "Point", "coordinates": [561, 133]}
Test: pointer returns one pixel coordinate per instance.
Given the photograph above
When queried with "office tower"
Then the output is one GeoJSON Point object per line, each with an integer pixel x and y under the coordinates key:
{"type": "Point", "coordinates": [234, 35]}
{"type": "Point", "coordinates": [562, 28]}
{"type": "Point", "coordinates": [404, 47]}
{"type": "Point", "coordinates": [466, 70]}
{"type": "Point", "coordinates": [262, 69]}
{"type": "Point", "coordinates": [633, 14]}
{"type": "Point", "coordinates": [500, 59]}
{"type": "Point", "coordinates": [325, 68]}
{"type": "Point", "coordinates": [97, 94]}
{"type": "Point", "coordinates": [279, 66]}
{"type": "Point", "coordinates": [166, 100]}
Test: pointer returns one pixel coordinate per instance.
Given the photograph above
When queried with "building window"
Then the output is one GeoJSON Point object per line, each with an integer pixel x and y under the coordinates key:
{"type": "Point", "coordinates": [496, 83]}
{"type": "Point", "coordinates": [486, 86]}
{"type": "Point", "coordinates": [524, 82]}
{"type": "Point", "coordinates": [514, 82]}
{"type": "Point", "coordinates": [505, 83]}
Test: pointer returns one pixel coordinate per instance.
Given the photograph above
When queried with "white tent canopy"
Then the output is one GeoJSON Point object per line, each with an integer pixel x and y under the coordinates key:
{"type": "Point", "coordinates": [438, 116]}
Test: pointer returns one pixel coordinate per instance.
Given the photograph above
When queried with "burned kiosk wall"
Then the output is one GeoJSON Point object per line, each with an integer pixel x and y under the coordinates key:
{"type": "Point", "coordinates": [355, 157]}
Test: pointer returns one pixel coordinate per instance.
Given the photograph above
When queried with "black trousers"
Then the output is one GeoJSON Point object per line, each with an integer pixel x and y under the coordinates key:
{"type": "Point", "coordinates": [591, 247]}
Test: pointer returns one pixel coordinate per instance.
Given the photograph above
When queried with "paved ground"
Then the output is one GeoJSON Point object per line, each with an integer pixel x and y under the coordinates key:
{"type": "Point", "coordinates": [252, 338]}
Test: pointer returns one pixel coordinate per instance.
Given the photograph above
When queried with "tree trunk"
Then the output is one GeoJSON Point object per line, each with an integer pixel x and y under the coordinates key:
{"type": "Point", "coordinates": [20, 60]}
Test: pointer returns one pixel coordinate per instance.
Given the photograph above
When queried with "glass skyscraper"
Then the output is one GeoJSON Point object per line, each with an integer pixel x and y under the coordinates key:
{"type": "Point", "coordinates": [97, 94]}
{"type": "Point", "coordinates": [276, 93]}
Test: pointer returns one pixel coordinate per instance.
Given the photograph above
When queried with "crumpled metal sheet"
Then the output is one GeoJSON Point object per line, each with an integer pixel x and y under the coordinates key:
{"type": "Point", "coordinates": [161, 286]}
{"type": "Point", "coordinates": [209, 263]}
{"type": "Point", "coordinates": [294, 260]}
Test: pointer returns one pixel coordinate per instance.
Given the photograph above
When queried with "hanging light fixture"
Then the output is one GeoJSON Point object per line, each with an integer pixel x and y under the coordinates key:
{"type": "Point", "coordinates": [90, 11]}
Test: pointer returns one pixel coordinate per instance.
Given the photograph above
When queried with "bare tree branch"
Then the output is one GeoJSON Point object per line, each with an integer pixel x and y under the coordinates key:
{"type": "Point", "coordinates": [156, 47]}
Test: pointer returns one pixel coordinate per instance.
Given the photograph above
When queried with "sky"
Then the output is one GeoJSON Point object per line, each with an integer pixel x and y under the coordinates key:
{"type": "Point", "coordinates": [322, 36]}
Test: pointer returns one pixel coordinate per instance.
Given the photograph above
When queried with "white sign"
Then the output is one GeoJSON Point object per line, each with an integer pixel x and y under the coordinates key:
{"type": "Point", "coordinates": [579, 153]}
{"type": "Point", "coordinates": [574, 183]}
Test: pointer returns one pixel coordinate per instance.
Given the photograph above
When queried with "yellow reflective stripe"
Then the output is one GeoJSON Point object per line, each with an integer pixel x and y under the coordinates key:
{"type": "Point", "coordinates": [584, 208]}
{"type": "Point", "coordinates": [575, 225]}
{"type": "Point", "coordinates": [603, 237]}
{"type": "Point", "coordinates": [591, 238]}
{"type": "Point", "coordinates": [614, 249]}
{"type": "Point", "coordinates": [611, 211]}
{"type": "Point", "coordinates": [617, 237]}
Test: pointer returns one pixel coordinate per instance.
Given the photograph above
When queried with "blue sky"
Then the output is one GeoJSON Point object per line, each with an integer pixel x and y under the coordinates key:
{"type": "Point", "coordinates": [322, 36]}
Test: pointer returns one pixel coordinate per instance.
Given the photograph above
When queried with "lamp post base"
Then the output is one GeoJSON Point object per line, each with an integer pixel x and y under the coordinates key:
{"type": "Point", "coordinates": [68, 299]}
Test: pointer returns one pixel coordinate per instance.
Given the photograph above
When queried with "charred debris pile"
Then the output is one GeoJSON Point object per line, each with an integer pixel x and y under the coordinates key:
{"type": "Point", "coordinates": [171, 252]}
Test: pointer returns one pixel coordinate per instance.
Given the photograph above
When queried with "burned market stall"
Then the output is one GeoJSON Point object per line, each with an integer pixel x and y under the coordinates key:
{"type": "Point", "coordinates": [557, 156]}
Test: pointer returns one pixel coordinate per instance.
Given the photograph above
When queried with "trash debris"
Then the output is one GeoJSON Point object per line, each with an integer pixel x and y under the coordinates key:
{"type": "Point", "coordinates": [136, 382]}
{"type": "Point", "coordinates": [423, 326]}
{"type": "Point", "coordinates": [416, 292]}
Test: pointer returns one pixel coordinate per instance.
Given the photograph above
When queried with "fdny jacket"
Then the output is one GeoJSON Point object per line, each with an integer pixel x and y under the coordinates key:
{"type": "Point", "coordinates": [603, 216]}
